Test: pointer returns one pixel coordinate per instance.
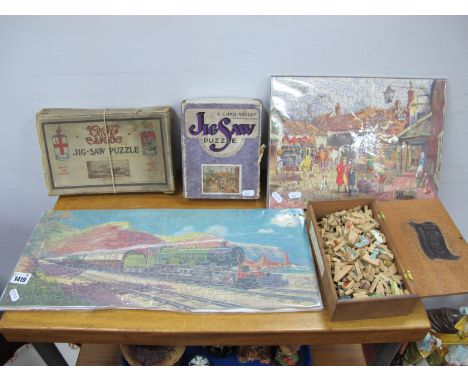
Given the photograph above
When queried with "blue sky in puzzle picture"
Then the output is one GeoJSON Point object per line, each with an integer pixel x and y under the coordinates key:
{"type": "Point", "coordinates": [284, 229]}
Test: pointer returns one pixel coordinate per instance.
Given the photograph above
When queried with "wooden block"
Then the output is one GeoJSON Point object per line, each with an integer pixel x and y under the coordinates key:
{"type": "Point", "coordinates": [354, 277]}
{"type": "Point", "coordinates": [348, 225]}
{"type": "Point", "coordinates": [329, 236]}
{"type": "Point", "coordinates": [397, 278]}
{"type": "Point", "coordinates": [337, 266]}
{"type": "Point", "coordinates": [380, 288]}
{"type": "Point", "coordinates": [374, 253]}
{"type": "Point", "coordinates": [383, 247]}
{"type": "Point", "coordinates": [352, 219]}
{"type": "Point", "coordinates": [339, 246]}
{"type": "Point", "coordinates": [342, 272]}
{"type": "Point", "coordinates": [384, 277]}
{"type": "Point", "coordinates": [368, 259]}
{"type": "Point", "coordinates": [351, 254]}
{"type": "Point", "coordinates": [363, 241]}
{"type": "Point", "coordinates": [382, 267]}
{"type": "Point", "coordinates": [374, 285]}
{"type": "Point", "coordinates": [386, 287]}
{"type": "Point", "coordinates": [357, 267]}
{"type": "Point", "coordinates": [349, 284]}
{"type": "Point", "coordinates": [339, 232]}
{"type": "Point", "coordinates": [330, 243]}
{"type": "Point", "coordinates": [343, 298]}
{"type": "Point", "coordinates": [368, 276]}
{"type": "Point", "coordinates": [366, 227]}
{"type": "Point", "coordinates": [353, 236]}
{"type": "Point", "coordinates": [341, 256]}
{"type": "Point", "coordinates": [365, 284]}
{"type": "Point", "coordinates": [386, 255]}
{"type": "Point", "coordinates": [378, 236]}
{"type": "Point", "coordinates": [395, 288]}
{"type": "Point", "coordinates": [360, 295]}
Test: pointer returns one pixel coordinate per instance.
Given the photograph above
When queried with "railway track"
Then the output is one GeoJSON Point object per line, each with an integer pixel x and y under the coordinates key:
{"type": "Point", "coordinates": [183, 305]}
{"type": "Point", "coordinates": [197, 298]}
{"type": "Point", "coordinates": [154, 289]}
{"type": "Point", "coordinates": [175, 304]}
{"type": "Point", "coordinates": [285, 290]}
{"type": "Point", "coordinates": [270, 295]}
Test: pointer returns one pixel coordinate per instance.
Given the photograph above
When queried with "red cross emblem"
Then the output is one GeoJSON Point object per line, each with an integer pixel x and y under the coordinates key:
{"type": "Point", "coordinates": [60, 144]}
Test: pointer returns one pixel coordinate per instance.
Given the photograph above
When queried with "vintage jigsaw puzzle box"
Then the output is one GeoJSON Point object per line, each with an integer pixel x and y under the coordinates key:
{"type": "Point", "coordinates": [221, 148]}
{"type": "Point", "coordinates": [106, 150]}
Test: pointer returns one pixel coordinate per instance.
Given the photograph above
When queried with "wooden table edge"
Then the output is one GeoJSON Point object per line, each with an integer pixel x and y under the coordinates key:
{"type": "Point", "coordinates": [294, 328]}
{"type": "Point", "coordinates": [340, 333]}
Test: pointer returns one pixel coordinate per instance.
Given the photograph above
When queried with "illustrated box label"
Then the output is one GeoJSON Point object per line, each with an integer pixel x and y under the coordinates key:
{"type": "Point", "coordinates": [106, 150]}
{"type": "Point", "coordinates": [221, 148]}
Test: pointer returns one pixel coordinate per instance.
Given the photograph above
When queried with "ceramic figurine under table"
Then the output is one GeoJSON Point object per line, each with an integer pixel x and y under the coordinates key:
{"type": "Point", "coordinates": [253, 353]}
{"type": "Point", "coordinates": [287, 355]}
{"type": "Point", "coordinates": [220, 351]}
{"type": "Point", "coordinates": [199, 360]}
{"type": "Point", "coordinates": [146, 355]}
{"type": "Point", "coordinates": [221, 148]}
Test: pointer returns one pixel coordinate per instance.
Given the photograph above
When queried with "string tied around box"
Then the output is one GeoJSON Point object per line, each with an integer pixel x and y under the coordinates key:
{"type": "Point", "coordinates": [261, 150]}
{"type": "Point", "coordinates": [106, 129]}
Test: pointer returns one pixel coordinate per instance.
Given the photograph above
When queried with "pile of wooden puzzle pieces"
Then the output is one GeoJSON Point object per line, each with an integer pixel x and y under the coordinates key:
{"type": "Point", "coordinates": [361, 263]}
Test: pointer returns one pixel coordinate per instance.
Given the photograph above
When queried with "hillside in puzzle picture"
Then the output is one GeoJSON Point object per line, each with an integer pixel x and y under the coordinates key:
{"type": "Point", "coordinates": [180, 260]}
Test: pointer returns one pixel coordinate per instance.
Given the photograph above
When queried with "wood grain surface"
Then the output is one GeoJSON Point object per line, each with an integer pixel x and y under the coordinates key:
{"type": "Point", "coordinates": [161, 328]}
{"type": "Point", "coordinates": [431, 277]}
{"type": "Point", "coordinates": [170, 328]}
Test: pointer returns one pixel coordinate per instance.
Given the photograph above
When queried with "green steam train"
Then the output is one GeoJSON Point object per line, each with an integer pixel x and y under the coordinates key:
{"type": "Point", "coordinates": [222, 265]}
{"type": "Point", "coordinates": [215, 266]}
{"type": "Point", "coordinates": [188, 257]}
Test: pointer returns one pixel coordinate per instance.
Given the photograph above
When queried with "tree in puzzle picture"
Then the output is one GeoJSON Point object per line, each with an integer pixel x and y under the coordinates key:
{"type": "Point", "coordinates": [180, 260]}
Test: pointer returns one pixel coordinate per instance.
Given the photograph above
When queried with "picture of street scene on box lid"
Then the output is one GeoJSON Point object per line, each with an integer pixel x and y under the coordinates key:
{"type": "Point", "coordinates": [178, 260]}
{"type": "Point", "coordinates": [336, 137]}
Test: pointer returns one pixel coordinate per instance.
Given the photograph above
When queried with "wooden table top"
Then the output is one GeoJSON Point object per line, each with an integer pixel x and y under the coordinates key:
{"type": "Point", "coordinates": [170, 328]}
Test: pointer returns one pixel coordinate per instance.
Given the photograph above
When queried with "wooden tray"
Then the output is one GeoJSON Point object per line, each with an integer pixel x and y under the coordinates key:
{"type": "Point", "coordinates": [427, 268]}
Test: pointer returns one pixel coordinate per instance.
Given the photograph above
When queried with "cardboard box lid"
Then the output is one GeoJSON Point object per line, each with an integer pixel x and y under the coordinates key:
{"type": "Point", "coordinates": [430, 246]}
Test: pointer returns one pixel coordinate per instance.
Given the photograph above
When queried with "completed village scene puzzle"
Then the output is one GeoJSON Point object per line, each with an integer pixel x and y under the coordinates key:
{"type": "Point", "coordinates": [336, 137]}
{"type": "Point", "coordinates": [180, 260]}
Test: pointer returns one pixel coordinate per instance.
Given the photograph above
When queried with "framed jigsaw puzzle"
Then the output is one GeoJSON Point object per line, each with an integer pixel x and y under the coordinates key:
{"type": "Point", "coordinates": [178, 260]}
{"type": "Point", "coordinates": [336, 137]}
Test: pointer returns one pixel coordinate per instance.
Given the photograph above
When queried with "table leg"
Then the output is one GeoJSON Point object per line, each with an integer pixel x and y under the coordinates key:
{"type": "Point", "coordinates": [50, 354]}
{"type": "Point", "coordinates": [384, 354]}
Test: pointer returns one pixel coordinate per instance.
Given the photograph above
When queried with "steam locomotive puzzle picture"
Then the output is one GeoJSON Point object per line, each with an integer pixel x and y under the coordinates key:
{"type": "Point", "coordinates": [197, 260]}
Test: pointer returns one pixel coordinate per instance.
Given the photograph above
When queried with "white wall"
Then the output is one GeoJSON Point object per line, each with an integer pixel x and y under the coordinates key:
{"type": "Point", "coordinates": [141, 61]}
